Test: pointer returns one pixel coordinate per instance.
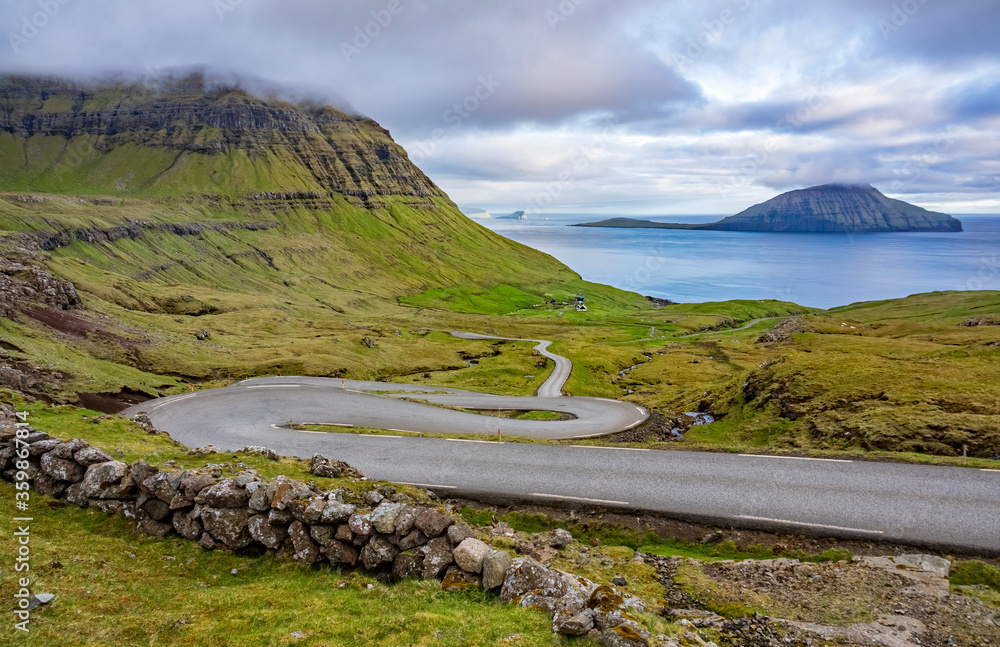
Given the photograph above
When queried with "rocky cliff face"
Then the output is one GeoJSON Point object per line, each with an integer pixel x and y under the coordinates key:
{"type": "Point", "coordinates": [837, 208]}
{"type": "Point", "coordinates": [303, 147]}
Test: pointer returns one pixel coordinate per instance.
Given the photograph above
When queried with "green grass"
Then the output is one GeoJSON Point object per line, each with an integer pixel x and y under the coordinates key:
{"type": "Point", "coordinates": [974, 572]}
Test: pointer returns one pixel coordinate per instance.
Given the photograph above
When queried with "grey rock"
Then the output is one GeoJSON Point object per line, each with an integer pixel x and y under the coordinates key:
{"type": "Point", "coordinates": [322, 533]}
{"type": "Point", "coordinates": [48, 485]}
{"type": "Point", "coordinates": [619, 581]}
{"type": "Point", "coordinates": [412, 540]}
{"type": "Point", "coordinates": [324, 467]}
{"type": "Point", "coordinates": [373, 497]}
{"type": "Point", "coordinates": [531, 577]}
{"type": "Point", "coordinates": [224, 494]}
{"type": "Point", "coordinates": [340, 553]}
{"type": "Point", "coordinates": [228, 525]}
{"type": "Point", "coordinates": [283, 490]}
{"type": "Point", "coordinates": [263, 531]}
{"type": "Point", "coordinates": [625, 635]}
{"type": "Point", "coordinates": [306, 550]}
{"type": "Point", "coordinates": [406, 521]}
{"type": "Point", "coordinates": [344, 533]}
{"type": "Point", "coordinates": [470, 554]}
{"type": "Point", "coordinates": [383, 518]}
{"type": "Point", "coordinates": [119, 507]}
{"type": "Point", "coordinates": [560, 538]}
{"type": "Point", "coordinates": [432, 523]}
{"type": "Point", "coordinates": [43, 446]}
{"type": "Point", "coordinates": [360, 524]}
{"type": "Point", "coordinates": [259, 501]}
{"type": "Point", "coordinates": [437, 557]}
{"type": "Point", "coordinates": [150, 526]}
{"type": "Point", "coordinates": [457, 579]}
{"type": "Point", "coordinates": [308, 511]}
{"type": "Point", "coordinates": [336, 512]}
{"type": "Point", "coordinates": [67, 449]}
{"type": "Point", "coordinates": [88, 456]}
{"type": "Point", "coordinates": [207, 542]}
{"type": "Point", "coordinates": [162, 485]}
{"type": "Point", "coordinates": [495, 566]}
{"type": "Point", "coordinates": [377, 552]}
{"type": "Point", "coordinates": [104, 481]}
{"type": "Point", "coordinates": [279, 517]}
{"type": "Point", "coordinates": [138, 471]}
{"type": "Point", "coordinates": [76, 495]}
{"type": "Point", "coordinates": [187, 526]}
{"type": "Point", "coordinates": [157, 509]}
{"type": "Point", "coordinates": [459, 532]}
{"type": "Point", "coordinates": [407, 565]}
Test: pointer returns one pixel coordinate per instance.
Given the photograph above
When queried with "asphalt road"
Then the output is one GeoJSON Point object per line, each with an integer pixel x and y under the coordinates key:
{"type": "Point", "coordinates": [552, 387]}
{"type": "Point", "coordinates": [935, 506]}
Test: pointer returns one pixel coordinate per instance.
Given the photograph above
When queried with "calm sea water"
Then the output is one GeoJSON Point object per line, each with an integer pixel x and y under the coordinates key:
{"type": "Point", "coordinates": [820, 270]}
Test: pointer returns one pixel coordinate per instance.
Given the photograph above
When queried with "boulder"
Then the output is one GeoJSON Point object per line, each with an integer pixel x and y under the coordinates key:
{"type": "Point", "coordinates": [156, 509]}
{"type": "Point", "coordinates": [228, 525]}
{"type": "Point", "coordinates": [88, 456]}
{"type": "Point", "coordinates": [578, 624]}
{"type": "Point", "coordinates": [560, 538]}
{"type": "Point", "coordinates": [259, 501]}
{"type": "Point", "coordinates": [193, 483]}
{"type": "Point", "coordinates": [149, 526]}
{"type": "Point", "coordinates": [324, 467]}
{"type": "Point", "coordinates": [336, 512]}
{"type": "Point", "coordinates": [67, 449]}
{"type": "Point", "coordinates": [406, 521]}
{"type": "Point", "coordinates": [495, 566]}
{"type": "Point", "coordinates": [306, 550]}
{"type": "Point", "coordinates": [279, 517]}
{"type": "Point", "coordinates": [531, 577]}
{"type": "Point", "coordinates": [187, 525]}
{"type": "Point", "coordinates": [104, 481]}
{"type": "Point", "coordinates": [457, 579]}
{"type": "Point", "coordinates": [383, 517]}
{"type": "Point", "coordinates": [432, 523]}
{"type": "Point", "coordinates": [37, 448]}
{"type": "Point", "coordinates": [378, 551]}
{"type": "Point", "coordinates": [163, 485]}
{"type": "Point", "coordinates": [625, 635]}
{"type": "Point", "coordinates": [437, 557]}
{"type": "Point", "coordinates": [469, 555]}
{"type": "Point", "coordinates": [282, 490]}
{"type": "Point", "coordinates": [308, 511]}
{"type": "Point", "coordinates": [407, 565]}
{"type": "Point", "coordinates": [47, 485]}
{"type": "Point", "coordinates": [322, 534]}
{"type": "Point", "coordinates": [360, 524]}
{"type": "Point", "coordinates": [224, 494]}
{"type": "Point", "coordinates": [207, 542]}
{"type": "Point", "coordinates": [121, 508]}
{"type": "Point", "coordinates": [138, 471]}
{"type": "Point", "coordinates": [373, 497]}
{"type": "Point", "coordinates": [263, 531]}
{"type": "Point", "coordinates": [459, 532]}
{"type": "Point", "coordinates": [412, 540]}
{"type": "Point", "coordinates": [340, 553]}
{"type": "Point", "coordinates": [76, 496]}
{"type": "Point", "coordinates": [344, 533]}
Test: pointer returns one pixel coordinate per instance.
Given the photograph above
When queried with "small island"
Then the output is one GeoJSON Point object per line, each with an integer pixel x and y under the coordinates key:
{"type": "Point", "coordinates": [830, 208]}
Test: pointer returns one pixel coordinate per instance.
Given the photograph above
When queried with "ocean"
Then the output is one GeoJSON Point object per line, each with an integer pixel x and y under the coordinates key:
{"type": "Point", "coordinates": [819, 270]}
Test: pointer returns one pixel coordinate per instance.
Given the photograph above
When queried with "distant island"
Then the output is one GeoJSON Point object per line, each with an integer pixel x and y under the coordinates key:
{"type": "Point", "coordinates": [831, 208]}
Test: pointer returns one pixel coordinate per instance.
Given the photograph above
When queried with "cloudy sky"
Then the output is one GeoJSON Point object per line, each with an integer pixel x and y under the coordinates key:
{"type": "Point", "coordinates": [600, 106]}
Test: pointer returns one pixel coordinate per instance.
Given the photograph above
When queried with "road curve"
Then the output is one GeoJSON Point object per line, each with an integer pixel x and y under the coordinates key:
{"type": "Point", "coordinates": [552, 387]}
{"type": "Point", "coordinates": [944, 507]}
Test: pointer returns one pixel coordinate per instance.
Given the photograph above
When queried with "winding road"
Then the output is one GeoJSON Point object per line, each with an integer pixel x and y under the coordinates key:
{"type": "Point", "coordinates": [942, 507]}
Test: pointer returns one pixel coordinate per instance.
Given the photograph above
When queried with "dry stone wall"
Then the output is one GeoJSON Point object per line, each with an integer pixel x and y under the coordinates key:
{"type": "Point", "coordinates": [295, 519]}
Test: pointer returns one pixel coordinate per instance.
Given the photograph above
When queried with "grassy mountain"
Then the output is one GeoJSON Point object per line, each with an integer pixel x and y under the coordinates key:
{"type": "Point", "coordinates": [282, 230]}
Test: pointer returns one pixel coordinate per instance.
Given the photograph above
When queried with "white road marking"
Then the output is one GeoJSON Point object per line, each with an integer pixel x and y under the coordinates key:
{"type": "Point", "coordinates": [274, 386]}
{"type": "Point", "coordinates": [465, 440]}
{"type": "Point", "coordinates": [177, 399]}
{"type": "Point", "coordinates": [624, 449]}
{"type": "Point", "coordinates": [577, 498]}
{"type": "Point", "coordinates": [811, 525]}
{"type": "Point", "coordinates": [640, 410]}
{"type": "Point", "coordinates": [429, 485]}
{"type": "Point", "coordinates": [798, 458]}
{"type": "Point", "coordinates": [990, 470]}
{"type": "Point", "coordinates": [375, 436]}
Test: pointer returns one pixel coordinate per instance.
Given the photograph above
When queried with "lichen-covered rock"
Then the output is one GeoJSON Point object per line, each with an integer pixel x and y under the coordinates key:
{"type": "Point", "coordinates": [531, 577]}
{"type": "Point", "coordinates": [383, 517]}
{"type": "Point", "coordinates": [625, 635]}
{"type": "Point", "coordinates": [495, 566]}
{"type": "Point", "coordinates": [61, 469]}
{"type": "Point", "coordinates": [283, 490]}
{"type": "Point", "coordinates": [207, 542]}
{"type": "Point", "coordinates": [164, 486]}
{"type": "Point", "coordinates": [437, 557]}
{"type": "Point", "coordinates": [459, 532]}
{"type": "Point", "coordinates": [117, 507]}
{"type": "Point", "coordinates": [339, 552]}
{"type": "Point", "coordinates": [279, 517]}
{"type": "Point", "coordinates": [49, 486]}
{"type": "Point", "coordinates": [322, 533]}
{"type": "Point", "coordinates": [88, 456]}
{"type": "Point", "coordinates": [224, 494]}
{"type": "Point", "coordinates": [324, 467]}
{"type": "Point", "coordinates": [187, 525]}
{"type": "Point", "coordinates": [406, 521]}
{"type": "Point", "coordinates": [336, 512]}
{"type": "Point", "coordinates": [378, 551]}
{"type": "Point", "coordinates": [578, 624]}
{"type": "Point", "coordinates": [344, 533]}
{"type": "Point", "coordinates": [306, 550]}
{"type": "Point", "coordinates": [76, 495]}
{"type": "Point", "coordinates": [137, 472]}
{"type": "Point", "coordinates": [469, 555]}
{"type": "Point", "coordinates": [263, 531]}
{"type": "Point", "coordinates": [154, 528]}
{"type": "Point", "coordinates": [432, 523]}
{"type": "Point", "coordinates": [156, 509]}
{"type": "Point", "coordinates": [228, 525]}
{"type": "Point", "coordinates": [407, 565]}
{"type": "Point", "coordinates": [40, 447]}
{"type": "Point", "coordinates": [65, 450]}
{"type": "Point", "coordinates": [412, 540]}
{"type": "Point", "coordinates": [308, 511]}
{"type": "Point", "coordinates": [193, 483]}
{"type": "Point", "coordinates": [104, 481]}
{"type": "Point", "coordinates": [457, 579]}
{"type": "Point", "coordinates": [373, 497]}
{"type": "Point", "coordinates": [360, 524]}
